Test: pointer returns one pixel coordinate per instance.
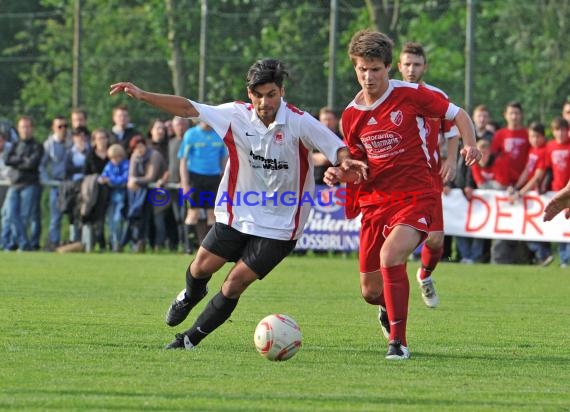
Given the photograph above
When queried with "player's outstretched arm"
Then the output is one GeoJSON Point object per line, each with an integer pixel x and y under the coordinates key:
{"type": "Point", "coordinates": [467, 132]}
{"type": "Point", "coordinates": [175, 105]}
{"type": "Point", "coordinates": [559, 202]}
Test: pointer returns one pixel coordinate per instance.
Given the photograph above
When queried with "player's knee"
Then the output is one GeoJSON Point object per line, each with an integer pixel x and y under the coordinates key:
{"type": "Point", "coordinates": [370, 296]}
{"type": "Point", "coordinates": [233, 287]}
{"type": "Point", "coordinates": [435, 240]}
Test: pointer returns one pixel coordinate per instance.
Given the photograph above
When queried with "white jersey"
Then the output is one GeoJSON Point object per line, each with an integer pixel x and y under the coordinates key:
{"type": "Point", "coordinates": [267, 188]}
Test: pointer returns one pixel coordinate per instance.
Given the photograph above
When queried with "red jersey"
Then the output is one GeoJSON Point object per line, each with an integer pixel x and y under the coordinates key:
{"type": "Point", "coordinates": [536, 160]}
{"type": "Point", "coordinates": [392, 135]}
{"type": "Point", "coordinates": [510, 148]}
{"type": "Point", "coordinates": [482, 175]}
{"type": "Point", "coordinates": [558, 159]}
{"type": "Point", "coordinates": [439, 130]}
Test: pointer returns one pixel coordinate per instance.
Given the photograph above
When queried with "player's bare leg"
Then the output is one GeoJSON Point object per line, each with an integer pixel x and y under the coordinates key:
{"type": "Point", "coordinates": [372, 290]}
{"type": "Point", "coordinates": [432, 251]}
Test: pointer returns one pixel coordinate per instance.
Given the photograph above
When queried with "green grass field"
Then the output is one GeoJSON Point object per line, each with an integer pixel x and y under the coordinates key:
{"type": "Point", "coordinates": [86, 332]}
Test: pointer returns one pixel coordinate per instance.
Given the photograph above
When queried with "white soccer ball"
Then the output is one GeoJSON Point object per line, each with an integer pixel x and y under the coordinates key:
{"type": "Point", "coordinates": [277, 337]}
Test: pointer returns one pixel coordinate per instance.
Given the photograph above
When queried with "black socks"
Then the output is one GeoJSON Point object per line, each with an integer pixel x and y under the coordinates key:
{"type": "Point", "coordinates": [216, 312]}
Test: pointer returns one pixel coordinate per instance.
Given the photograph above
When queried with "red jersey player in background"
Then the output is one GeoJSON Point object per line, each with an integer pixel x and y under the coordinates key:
{"type": "Point", "coordinates": [384, 125]}
{"type": "Point", "coordinates": [412, 66]}
{"type": "Point", "coordinates": [558, 159]}
{"type": "Point", "coordinates": [510, 146]}
{"type": "Point", "coordinates": [531, 179]}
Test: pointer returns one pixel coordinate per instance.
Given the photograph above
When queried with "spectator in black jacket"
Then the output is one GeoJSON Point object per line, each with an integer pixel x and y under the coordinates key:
{"type": "Point", "coordinates": [23, 197]}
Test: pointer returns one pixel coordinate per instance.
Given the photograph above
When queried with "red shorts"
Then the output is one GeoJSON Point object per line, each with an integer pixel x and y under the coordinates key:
{"type": "Point", "coordinates": [378, 222]}
{"type": "Point", "coordinates": [437, 216]}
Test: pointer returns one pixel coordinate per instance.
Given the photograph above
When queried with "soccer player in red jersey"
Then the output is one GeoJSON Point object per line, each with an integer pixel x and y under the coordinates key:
{"type": "Point", "coordinates": [510, 147]}
{"type": "Point", "coordinates": [412, 66]}
{"type": "Point", "coordinates": [385, 125]}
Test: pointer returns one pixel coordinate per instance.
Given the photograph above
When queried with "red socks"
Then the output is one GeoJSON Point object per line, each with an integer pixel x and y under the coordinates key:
{"type": "Point", "coordinates": [396, 293]}
{"type": "Point", "coordinates": [430, 258]}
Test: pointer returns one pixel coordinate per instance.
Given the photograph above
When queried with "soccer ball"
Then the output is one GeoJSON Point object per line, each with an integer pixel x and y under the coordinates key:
{"type": "Point", "coordinates": [277, 337]}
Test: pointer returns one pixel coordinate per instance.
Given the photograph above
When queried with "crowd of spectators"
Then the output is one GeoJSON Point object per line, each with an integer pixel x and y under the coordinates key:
{"type": "Point", "coordinates": [100, 181]}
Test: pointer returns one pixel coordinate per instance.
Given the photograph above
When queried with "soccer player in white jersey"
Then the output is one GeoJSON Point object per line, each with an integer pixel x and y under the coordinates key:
{"type": "Point", "coordinates": [258, 220]}
{"type": "Point", "coordinates": [385, 126]}
{"type": "Point", "coordinates": [412, 66]}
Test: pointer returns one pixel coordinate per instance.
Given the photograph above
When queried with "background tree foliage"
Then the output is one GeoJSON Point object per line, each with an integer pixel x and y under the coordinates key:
{"type": "Point", "coordinates": [521, 51]}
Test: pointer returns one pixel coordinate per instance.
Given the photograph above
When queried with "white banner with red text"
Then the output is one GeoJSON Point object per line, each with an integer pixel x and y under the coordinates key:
{"type": "Point", "coordinates": [491, 215]}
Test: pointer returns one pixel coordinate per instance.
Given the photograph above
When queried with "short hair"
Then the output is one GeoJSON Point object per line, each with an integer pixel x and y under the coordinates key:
{"type": "Point", "coordinates": [558, 123]}
{"type": "Point", "coordinates": [79, 110]}
{"type": "Point", "coordinates": [120, 107]}
{"type": "Point", "coordinates": [99, 131]}
{"type": "Point", "coordinates": [58, 117]}
{"type": "Point", "coordinates": [266, 71]}
{"type": "Point", "coordinates": [537, 127]}
{"type": "Point", "coordinates": [414, 48]}
{"type": "Point", "coordinates": [480, 108]}
{"type": "Point", "coordinates": [327, 110]}
{"type": "Point", "coordinates": [80, 130]}
{"type": "Point", "coordinates": [515, 104]}
{"type": "Point", "coordinates": [370, 45]}
{"type": "Point", "coordinates": [26, 118]}
{"type": "Point", "coordinates": [116, 150]}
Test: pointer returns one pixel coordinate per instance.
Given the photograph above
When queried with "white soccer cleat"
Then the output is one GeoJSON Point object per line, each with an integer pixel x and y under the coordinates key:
{"type": "Point", "coordinates": [429, 295]}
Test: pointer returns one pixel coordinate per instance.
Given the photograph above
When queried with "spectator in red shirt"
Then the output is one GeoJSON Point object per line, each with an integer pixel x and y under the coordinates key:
{"type": "Point", "coordinates": [558, 159]}
{"type": "Point", "coordinates": [531, 179]}
{"type": "Point", "coordinates": [510, 146]}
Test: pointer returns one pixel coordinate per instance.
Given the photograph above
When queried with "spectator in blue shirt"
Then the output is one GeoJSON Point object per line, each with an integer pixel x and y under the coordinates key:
{"type": "Point", "coordinates": [202, 157]}
{"type": "Point", "coordinates": [115, 175]}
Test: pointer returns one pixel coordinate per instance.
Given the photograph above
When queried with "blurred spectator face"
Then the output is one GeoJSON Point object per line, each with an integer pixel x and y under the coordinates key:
{"type": "Point", "coordinates": [140, 149]}
{"type": "Point", "coordinates": [121, 118]}
{"type": "Point", "coordinates": [485, 149]}
{"type": "Point", "coordinates": [158, 132]}
{"type": "Point", "coordinates": [169, 128]}
{"type": "Point", "coordinates": [79, 142]}
{"type": "Point", "coordinates": [3, 139]}
{"type": "Point", "coordinates": [560, 134]}
{"type": "Point", "coordinates": [329, 120]}
{"type": "Point", "coordinates": [25, 129]}
{"type": "Point", "coordinates": [179, 126]}
{"type": "Point", "coordinates": [100, 140]}
{"type": "Point", "coordinates": [513, 117]}
{"type": "Point", "coordinates": [481, 119]}
{"type": "Point", "coordinates": [116, 160]}
{"type": "Point", "coordinates": [536, 139]}
{"type": "Point", "coordinates": [205, 126]}
{"type": "Point", "coordinates": [78, 119]}
{"type": "Point", "coordinates": [566, 111]}
{"type": "Point", "coordinates": [59, 129]}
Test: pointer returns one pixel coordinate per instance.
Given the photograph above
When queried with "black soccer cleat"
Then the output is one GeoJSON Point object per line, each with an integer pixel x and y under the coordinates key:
{"type": "Point", "coordinates": [384, 322]}
{"type": "Point", "coordinates": [180, 308]}
{"type": "Point", "coordinates": [397, 351]}
{"type": "Point", "coordinates": [177, 343]}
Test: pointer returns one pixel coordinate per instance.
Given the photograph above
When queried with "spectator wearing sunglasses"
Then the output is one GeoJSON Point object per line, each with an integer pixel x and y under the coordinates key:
{"type": "Point", "coordinates": [52, 168]}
